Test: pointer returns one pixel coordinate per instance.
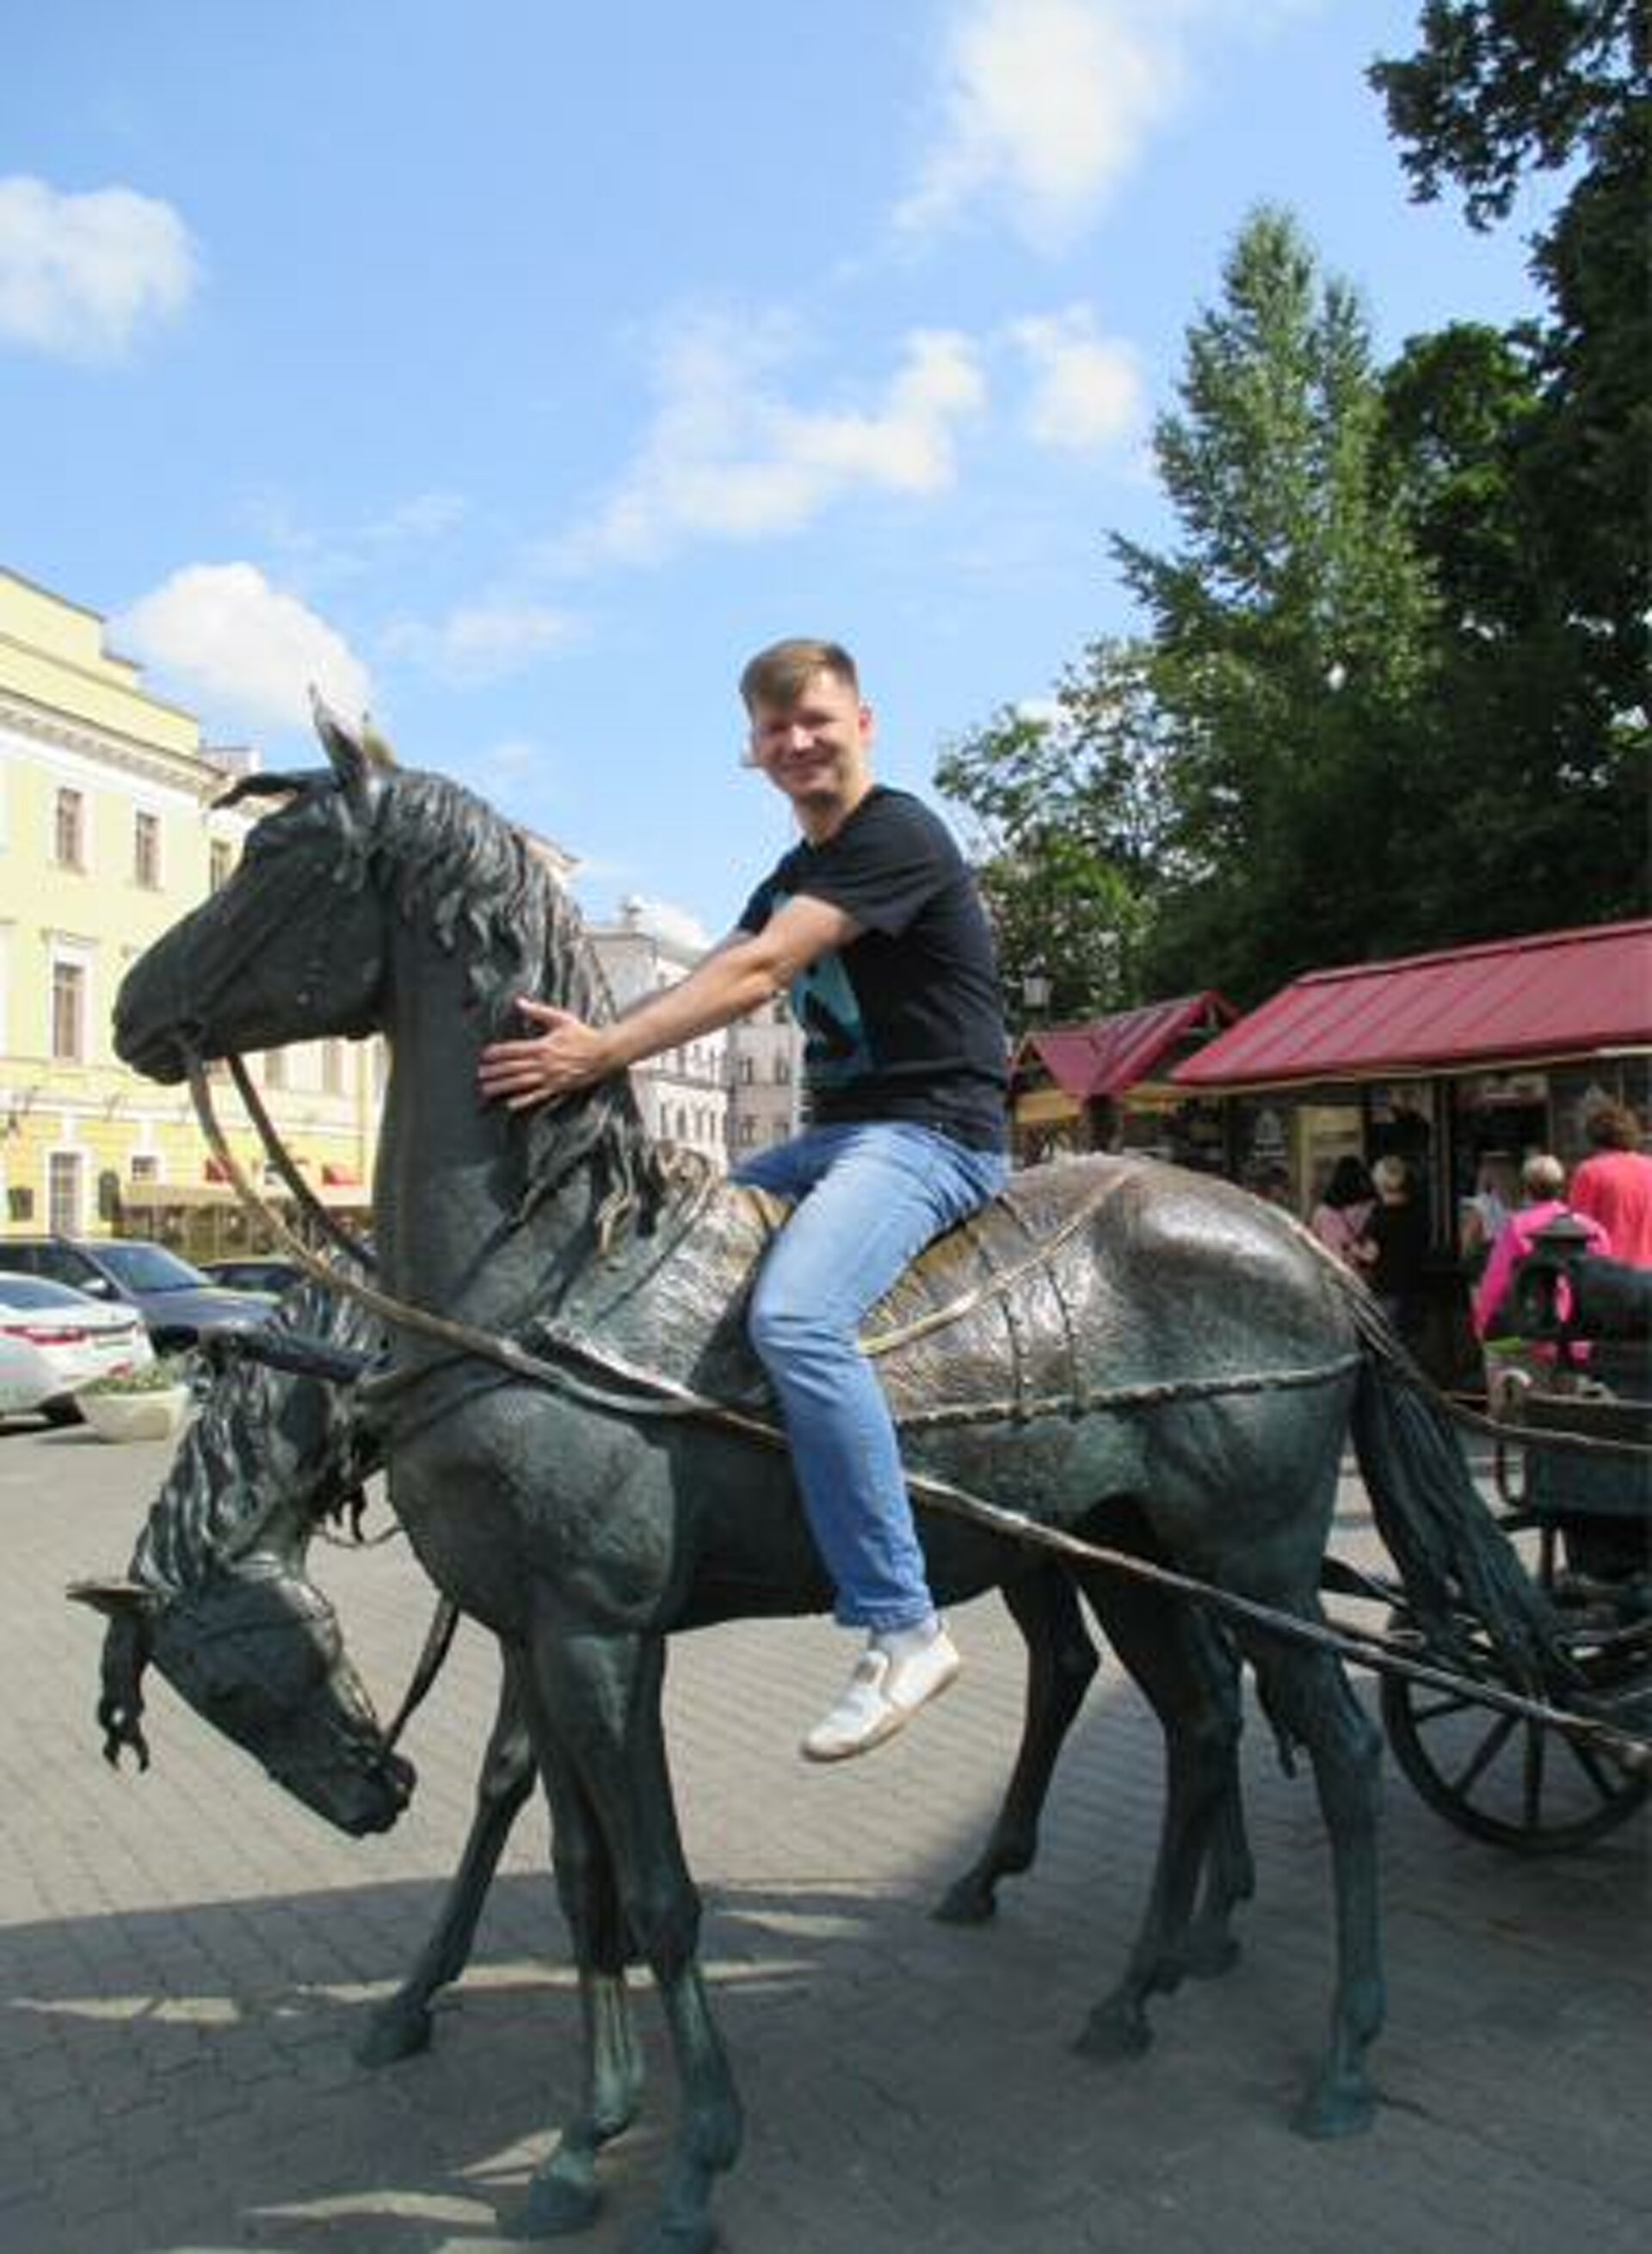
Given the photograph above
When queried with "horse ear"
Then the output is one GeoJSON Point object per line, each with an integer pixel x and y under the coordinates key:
{"type": "Point", "coordinates": [356, 754]}
{"type": "Point", "coordinates": [112, 1597]}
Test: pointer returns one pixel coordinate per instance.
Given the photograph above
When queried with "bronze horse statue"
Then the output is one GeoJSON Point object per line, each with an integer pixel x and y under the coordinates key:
{"type": "Point", "coordinates": [1113, 1343]}
{"type": "Point", "coordinates": [219, 1597]}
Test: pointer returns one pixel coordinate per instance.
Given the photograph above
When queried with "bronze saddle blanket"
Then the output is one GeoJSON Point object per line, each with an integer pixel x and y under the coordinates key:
{"type": "Point", "coordinates": [1018, 1313]}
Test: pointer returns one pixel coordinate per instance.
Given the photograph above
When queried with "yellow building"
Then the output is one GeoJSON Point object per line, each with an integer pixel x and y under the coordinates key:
{"type": "Point", "coordinates": [107, 834]}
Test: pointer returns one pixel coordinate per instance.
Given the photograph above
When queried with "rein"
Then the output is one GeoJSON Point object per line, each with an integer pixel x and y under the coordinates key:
{"type": "Point", "coordinates": [657, 1395]}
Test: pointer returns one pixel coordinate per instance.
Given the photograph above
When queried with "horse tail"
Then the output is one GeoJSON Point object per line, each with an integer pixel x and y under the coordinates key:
{"type": "Point", "coordinates": [1452, 1556]}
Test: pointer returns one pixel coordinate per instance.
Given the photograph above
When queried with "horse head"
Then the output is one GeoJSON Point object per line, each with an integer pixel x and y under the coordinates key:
{"type": "Point", "coordinates": [218, 1597]}
{"type": "Point", "coordinates": [293, 947]}
{"type": "Point", "coordinates": [256, 1649]}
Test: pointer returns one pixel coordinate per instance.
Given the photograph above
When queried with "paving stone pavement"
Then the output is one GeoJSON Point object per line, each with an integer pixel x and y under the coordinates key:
{"type": "Point", "coordinates": [188, 1956]}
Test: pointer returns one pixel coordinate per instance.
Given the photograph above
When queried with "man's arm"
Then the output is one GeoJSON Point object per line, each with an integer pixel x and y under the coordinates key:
{"type": "Point", "coordinates": [745, 970]}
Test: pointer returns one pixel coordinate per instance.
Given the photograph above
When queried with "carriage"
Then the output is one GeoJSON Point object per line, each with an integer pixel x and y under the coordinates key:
{"type": "Point", "coordinates": [1583, 1523]}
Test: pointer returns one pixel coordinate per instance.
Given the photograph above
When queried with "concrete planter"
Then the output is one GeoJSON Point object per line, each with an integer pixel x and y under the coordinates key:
{"type": "Point", "coordinates": [156, 1415]}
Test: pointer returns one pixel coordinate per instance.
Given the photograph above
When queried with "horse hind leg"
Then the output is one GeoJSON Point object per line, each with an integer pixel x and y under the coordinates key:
{"type": "Point", "coordinates": [1062, 1665]}
{"type": "Point", "coordinates": [1212, 1947]}
{"type": "Point", "coordinates": [402, 2024]}
{"type": "Point", "coordinates": [1307, 1697]}
{"type": "Point", "coordinates": [1191, 1681]}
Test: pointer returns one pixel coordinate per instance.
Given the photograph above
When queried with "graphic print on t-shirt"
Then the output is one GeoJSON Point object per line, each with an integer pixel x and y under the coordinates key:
{"type": "Point", "coordinates": [835, 1048]}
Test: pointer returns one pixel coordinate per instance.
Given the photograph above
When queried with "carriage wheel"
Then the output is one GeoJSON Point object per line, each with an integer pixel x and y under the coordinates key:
{"type": "Point", "coordinates": [1517, 1784]}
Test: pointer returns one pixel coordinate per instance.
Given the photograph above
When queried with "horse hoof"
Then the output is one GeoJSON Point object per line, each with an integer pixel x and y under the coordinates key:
{"type": "Point", "coordinates": [391, 2035]}
{"type": "Point", "coordinates": [685, 2236]}
{"type": "Point", "coordinates": [969, 1902]}
{"type": "Point", "coordinates": [1110, 2033]}
{"type": "Point", "coordinates": [1334, 2111]}
{"type": "Point", "coordinates": [556, 2207]}
{"type": "Point", "coordinates": [1211, 1954]}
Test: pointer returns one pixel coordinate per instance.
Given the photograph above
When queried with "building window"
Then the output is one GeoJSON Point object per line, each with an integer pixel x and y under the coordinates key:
{"type": "Point", "coordinates": [143, 1166]}
{"type": "Point", "coordinates": [68, 829]}
{"type": "Point", "coordinates": [780, 1132]}
{"type": "Point", "coordinates": [332, 1068]}
{"type": "Point", "coordinates": [747, 1134]}
{"type": "Point", "coordinates": [220, 859]}
{"type": "Point", "coordinates": [745, 1071]}
{"type": "Point", "coordinates": [146, 851]}
{"type": "Point", "coordinates": [63, 1183]}
{"type": "Point", "coordinates": [782, 1072]}
{"type": "Point", "coordinates": [782, 1011]}
{"type": "Point", "coordinates": [275, 1070]}
{"type": "Point", "coordinates": [68, 1013]}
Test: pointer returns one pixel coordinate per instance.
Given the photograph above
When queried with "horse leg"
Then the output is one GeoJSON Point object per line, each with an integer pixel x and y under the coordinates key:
{"type": "Point", "coordinates": [602, 1693]}
{"type": "Point", "coordinates": [1062, 1665]}
{"type": "Point", "coordinates": [1231, 1873]}
{"type": "Point", "coordinates": [564, 2195]}
{"type": "Point", "coordinates": [1197, 1703]}
{"type": "Point", "coordinates": [1308, 1699]}
{"type": "Point", "coordinates": [402, 2025]}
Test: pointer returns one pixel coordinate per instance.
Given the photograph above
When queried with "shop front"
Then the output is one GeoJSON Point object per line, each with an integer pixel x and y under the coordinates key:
{"type": "Point", "coordinates": [1462, 1063]}
{"type": "Point", "coordinates": [1106, 1085]}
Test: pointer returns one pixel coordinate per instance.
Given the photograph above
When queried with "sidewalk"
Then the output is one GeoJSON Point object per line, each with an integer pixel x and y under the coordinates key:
{"type": "Point", "coordinates": [187, 1956]}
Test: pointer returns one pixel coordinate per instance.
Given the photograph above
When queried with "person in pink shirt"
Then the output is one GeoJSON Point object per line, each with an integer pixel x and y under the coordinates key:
{"type": "Point", "coordinates": [1543, 1180]}
{"type": "Point", "coordinates": [1613, 1184]}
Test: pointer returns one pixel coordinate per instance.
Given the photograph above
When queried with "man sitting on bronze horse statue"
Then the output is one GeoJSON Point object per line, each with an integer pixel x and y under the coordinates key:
{"type": "Point", "coordinates": [874, 923]}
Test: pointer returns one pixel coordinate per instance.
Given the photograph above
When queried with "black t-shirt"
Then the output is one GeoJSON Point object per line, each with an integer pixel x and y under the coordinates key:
{"type": "Point", "coordinates": [908, 1021]}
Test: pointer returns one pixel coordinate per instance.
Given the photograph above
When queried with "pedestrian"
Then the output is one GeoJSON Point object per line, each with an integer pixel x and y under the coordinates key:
{"type": "Point", "coordinates": [1543, 1181]}
{"type": "Point", "coordinates": [874, 924]}
{"type": "Point", "coordinates": [1395, 1246]}
{"type": "Point", "coordinates": [1613, 1184]}
{"type": "Point", "coordinates": [1338, 1219]}
{"type": "Point", "coordinates": [1483, 1213]}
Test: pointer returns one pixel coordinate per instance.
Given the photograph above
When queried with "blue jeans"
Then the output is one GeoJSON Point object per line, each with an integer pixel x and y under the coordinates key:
{"type": "Point", "coordinates": [870, 1197]}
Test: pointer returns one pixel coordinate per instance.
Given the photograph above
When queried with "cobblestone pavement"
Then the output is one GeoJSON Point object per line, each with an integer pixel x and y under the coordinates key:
{"type": "Point", "coordinates": [187, 1956]}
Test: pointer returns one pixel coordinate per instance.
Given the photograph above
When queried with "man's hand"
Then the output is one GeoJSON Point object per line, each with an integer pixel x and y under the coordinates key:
{"type": "Point", "coordinates": [566, 1054]}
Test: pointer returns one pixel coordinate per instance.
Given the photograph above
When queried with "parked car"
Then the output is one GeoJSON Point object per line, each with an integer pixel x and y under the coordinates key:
{"type": "Point", "coordinates": [53, 1339]}
{"type": "Point", "coordinates": [175, 1300]}
{"type": "Point", "coordinates": [254, 1272]}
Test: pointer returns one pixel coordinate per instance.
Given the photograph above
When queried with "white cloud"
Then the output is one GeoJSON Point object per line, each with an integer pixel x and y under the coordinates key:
{"type": "Point", "coordinates": [676, 925]}
{"type": "Point", "coordinates": [1087, 392]}
{"type": "Point", "coordinates": [243, 648]}
{"type": "Point", "coordinates": [80, 273]}
{"type": "Point", "coordinates": [1047, 104]}
{"type": "Point", "coordinates": [482, 641]}
{"type": "Point", "coordinates": [727, 458]}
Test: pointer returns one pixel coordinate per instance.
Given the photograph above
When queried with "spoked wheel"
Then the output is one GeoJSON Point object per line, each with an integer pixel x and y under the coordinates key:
{"type": "Point", "coordinates": [1517, 1784]}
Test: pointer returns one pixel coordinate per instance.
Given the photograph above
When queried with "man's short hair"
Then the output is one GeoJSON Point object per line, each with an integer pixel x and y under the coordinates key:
{"type": "Point", "coordinates": [778, 676]}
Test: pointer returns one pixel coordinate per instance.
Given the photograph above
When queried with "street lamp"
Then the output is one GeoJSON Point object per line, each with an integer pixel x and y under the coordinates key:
{"type": "Point", "coordinates": [1035, 992]}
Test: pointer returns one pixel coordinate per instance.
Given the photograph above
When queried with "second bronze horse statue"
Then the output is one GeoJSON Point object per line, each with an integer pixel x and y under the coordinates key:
{"type": "Point", "coordinates": [1113, 1341]}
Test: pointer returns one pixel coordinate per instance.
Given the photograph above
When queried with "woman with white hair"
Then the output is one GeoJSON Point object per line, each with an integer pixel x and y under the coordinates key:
{"type": "Point", "coordinates": [1395, 1245]}
{"type": "Point", "coordinates": [1543, 1182]}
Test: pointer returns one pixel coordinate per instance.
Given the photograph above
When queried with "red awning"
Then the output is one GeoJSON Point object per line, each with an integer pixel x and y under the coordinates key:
{"type": "Point", "coordinates": [1111, 1055]}
{"type": "Point", "coordinates": [1558, 994]}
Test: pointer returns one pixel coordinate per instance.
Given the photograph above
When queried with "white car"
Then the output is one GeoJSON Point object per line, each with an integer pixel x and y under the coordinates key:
{"type": "Point", "coordinates": [53, 1339]}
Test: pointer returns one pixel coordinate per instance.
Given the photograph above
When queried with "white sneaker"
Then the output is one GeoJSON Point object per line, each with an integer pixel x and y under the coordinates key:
{"type": "Point", "coordinates": [881, 1696]}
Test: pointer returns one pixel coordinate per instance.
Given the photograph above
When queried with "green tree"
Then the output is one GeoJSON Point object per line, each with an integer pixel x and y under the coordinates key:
{"type": "Point", "coordinates": [1496, 90]}
{"type": "Point", "coordinates": [1290, 630]}
{"type": "Point", "coordinates": [1524, 808]}
{"type": "Point", "coordinates": [1068, 831]}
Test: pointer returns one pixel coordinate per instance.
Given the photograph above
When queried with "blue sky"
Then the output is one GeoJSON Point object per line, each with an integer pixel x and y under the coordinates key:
{"type": "Point", "coordinates": [517, 368]}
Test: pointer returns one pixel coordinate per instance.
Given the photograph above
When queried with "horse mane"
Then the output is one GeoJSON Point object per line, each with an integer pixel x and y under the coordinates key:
{"type": "Point", "coordinates": [262, 1440]}
{"type": "Point", "coordinates": [474, 881]}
